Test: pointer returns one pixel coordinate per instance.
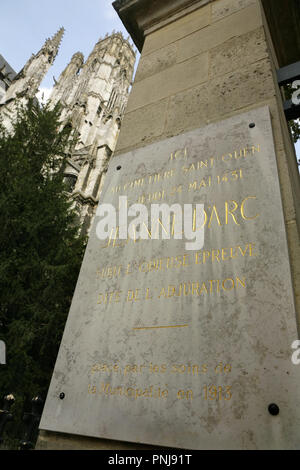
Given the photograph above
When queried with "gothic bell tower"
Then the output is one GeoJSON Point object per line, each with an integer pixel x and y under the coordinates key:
{"type": "Point", "coordinates": [93, 96]}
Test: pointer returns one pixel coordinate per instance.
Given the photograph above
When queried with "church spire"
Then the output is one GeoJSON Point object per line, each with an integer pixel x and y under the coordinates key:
{"type": "Point", "coordinates": [51, 45]}
{"type": "Point", "coordinates": [56, 39]}
{"type": "Point", "coordinates": [27, 82]}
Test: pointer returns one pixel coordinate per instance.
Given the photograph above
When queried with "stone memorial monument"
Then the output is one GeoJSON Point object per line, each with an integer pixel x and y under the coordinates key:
{"type": "Point", "coordinates": [180, 331]}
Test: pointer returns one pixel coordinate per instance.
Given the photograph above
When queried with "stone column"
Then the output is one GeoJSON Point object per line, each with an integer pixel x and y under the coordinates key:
{"type": "Point", "coordinates": [202, 62]}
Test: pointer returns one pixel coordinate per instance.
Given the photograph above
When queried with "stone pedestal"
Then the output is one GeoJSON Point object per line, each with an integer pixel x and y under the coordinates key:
{"type": "Point", "coordinates": [207, 71]}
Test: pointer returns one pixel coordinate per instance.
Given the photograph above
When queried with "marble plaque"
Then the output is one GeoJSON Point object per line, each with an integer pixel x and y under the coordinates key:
{"type": "Point", "coordinates": [183, 348]}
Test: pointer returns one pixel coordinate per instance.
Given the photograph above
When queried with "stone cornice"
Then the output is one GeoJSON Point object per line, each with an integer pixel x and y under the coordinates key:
{"type": "Point", "coordinates": [140, 16]}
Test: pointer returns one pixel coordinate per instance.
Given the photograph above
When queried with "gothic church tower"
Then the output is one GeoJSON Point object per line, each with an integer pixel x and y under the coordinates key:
{"type": "Point", "coordinates": [93, 96]}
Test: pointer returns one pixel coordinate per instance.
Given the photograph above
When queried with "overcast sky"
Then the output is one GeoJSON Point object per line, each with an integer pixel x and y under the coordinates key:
{"type": "Point", "coordinates": [25, 24]}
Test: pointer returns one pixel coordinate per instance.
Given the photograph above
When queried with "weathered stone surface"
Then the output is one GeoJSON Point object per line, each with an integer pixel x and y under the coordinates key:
{"type": "Point", "coordinates": [220, 96]}
{"type": "Point", "coordinates": [238, 52]}
{"type": "Point", "coordinates": [142, 125]}
{"type": "Point", "coordinates": [216, 34]}
{"type": "Point", "coordinates": [222, 8]}
{"type": "Point", "coordinates": [187, 110]}
{"type": "Point", "coordinates": [156, 62]}
{"type": "Point", "coordinates": [236, 90]}
{"type": "Point", "coordinates": [169, 82]}
{"type": "Point", "coordinates": [181, 28]}
{"type": "Point", "coordinates": [144, 365]}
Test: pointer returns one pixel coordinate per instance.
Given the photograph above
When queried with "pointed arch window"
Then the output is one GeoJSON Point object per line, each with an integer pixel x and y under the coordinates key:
{"type": "Point", "coordinates": [123, 74]}
{"type": "Point", "coordinates": [113, 98]}
{"type": "Point", "coordinates": [99, 110]}
{"type": "Point", "coordinates": [95, 66]}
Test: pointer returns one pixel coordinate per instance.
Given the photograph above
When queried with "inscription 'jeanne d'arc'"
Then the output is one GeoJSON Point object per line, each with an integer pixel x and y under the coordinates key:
{"type": "Point", "coordinates": [227, 213]}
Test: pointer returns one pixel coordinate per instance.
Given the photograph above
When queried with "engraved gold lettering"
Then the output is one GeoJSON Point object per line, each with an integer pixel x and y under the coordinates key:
{"type": "Point", "coordinates": [230, 212]}
{"type": "Point", "coordinates": [133, 296]}
{"type": "Point", "coordinates": [185, 394]}
{"type": "Point", "coordinates": [243, 210]}
{"type": "Point", "coordinates": [214, 211]}
{"type": "Point", "coordinates": [180, 154]}
{"type": "Point", "coordinates": [224, 254]}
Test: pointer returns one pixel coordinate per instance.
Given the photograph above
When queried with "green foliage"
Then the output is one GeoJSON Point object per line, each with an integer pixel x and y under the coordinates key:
{"type": "Point", "coordinates": [40, 251]}
{"type": "Point", "coordinates": [295, 128]}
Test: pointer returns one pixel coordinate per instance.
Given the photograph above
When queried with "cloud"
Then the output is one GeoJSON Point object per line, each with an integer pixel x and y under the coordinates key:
{"type": "Point", "coordinates": [44, 94]}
